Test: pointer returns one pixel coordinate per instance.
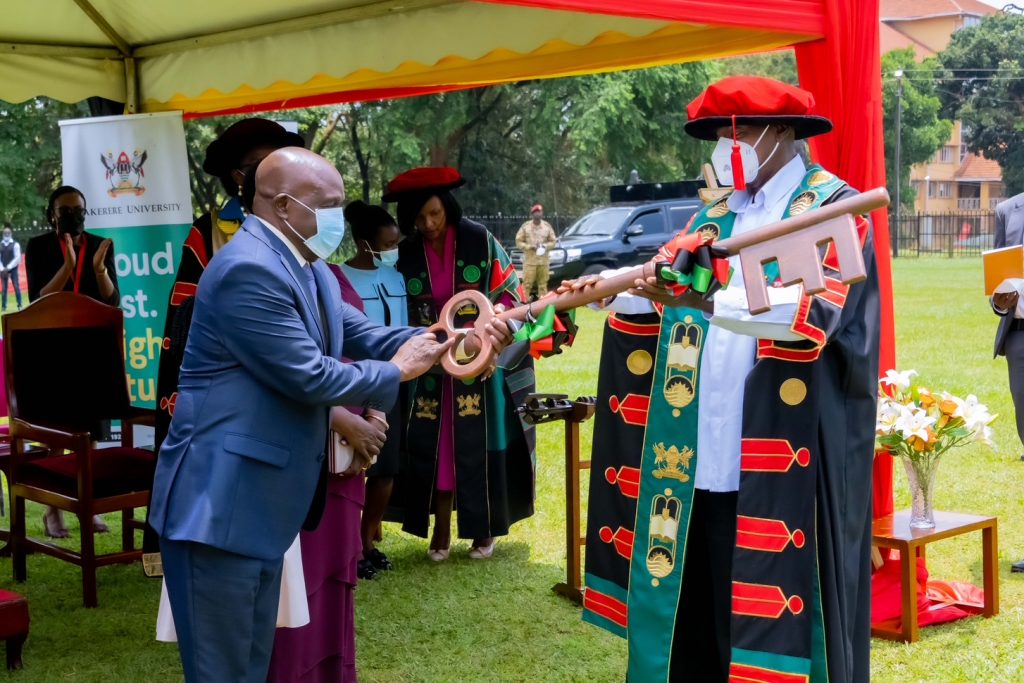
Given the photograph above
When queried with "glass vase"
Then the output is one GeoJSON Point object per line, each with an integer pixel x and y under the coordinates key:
{"type": "Point", "coordinates": [921, 475]}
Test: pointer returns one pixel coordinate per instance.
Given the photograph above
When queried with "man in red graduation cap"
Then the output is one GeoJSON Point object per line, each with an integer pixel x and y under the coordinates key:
{"type": "Point", "coordinates": [751, 547]}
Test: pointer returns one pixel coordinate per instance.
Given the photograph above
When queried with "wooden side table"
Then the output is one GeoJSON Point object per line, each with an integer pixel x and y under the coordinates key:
{"type": "Point", "coordinates": [894, 532]}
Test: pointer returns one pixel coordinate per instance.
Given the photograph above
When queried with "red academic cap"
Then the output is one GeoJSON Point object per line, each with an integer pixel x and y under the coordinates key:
{"type": "Point", "coordinates": [753, 100]}
{"type": "Point", "coordinates": [421, 180]}
{"type": "Point", "coordinates": [536, 207]}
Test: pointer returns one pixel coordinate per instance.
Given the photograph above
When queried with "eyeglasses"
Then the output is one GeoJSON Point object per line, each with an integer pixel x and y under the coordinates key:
{"type": "Point", "coordinates": [71, 211]}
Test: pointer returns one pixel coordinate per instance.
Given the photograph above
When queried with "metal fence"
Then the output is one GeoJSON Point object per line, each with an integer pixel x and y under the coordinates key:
{"type": "Point", "coordinates": [504, 227]}
{"type": "Point", "coordinates": [956, 233]}
{"type": "Point", "coordinates": [961, 233]}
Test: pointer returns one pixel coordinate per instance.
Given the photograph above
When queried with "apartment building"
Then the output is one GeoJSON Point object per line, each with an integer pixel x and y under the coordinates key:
{"type": "Point", "coordinates": [952, 180]}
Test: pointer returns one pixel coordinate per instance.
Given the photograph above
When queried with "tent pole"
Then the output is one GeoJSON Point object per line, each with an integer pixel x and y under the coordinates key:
{"type": "Point", "coordinates": [102, 24]}
{"type": "Point", "coordinates": [37, 50]}
{"type": "Point", "coordinates": [131, 86]}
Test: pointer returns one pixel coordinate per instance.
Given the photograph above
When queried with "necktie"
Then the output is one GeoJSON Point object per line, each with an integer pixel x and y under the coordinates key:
{"type": "Point", "coordinates": [310, 279]}
{"type": "Point", "coordinates": [311, 282]}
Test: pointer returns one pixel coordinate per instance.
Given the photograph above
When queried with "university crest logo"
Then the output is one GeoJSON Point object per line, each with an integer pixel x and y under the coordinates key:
{"type": "Point", "coordinates": [125, 174]}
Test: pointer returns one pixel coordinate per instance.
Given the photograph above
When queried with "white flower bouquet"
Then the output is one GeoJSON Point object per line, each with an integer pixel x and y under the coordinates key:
{"type": "Point", "coordinates": [918, 426]}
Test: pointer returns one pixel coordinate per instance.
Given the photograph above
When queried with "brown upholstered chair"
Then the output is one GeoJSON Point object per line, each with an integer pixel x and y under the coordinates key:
{"type": "Point", "coordinates": [64, 366]}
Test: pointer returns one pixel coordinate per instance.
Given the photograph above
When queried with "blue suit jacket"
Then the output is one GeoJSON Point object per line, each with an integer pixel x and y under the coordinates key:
{"type": "Point", "coordinates": [240, 464]}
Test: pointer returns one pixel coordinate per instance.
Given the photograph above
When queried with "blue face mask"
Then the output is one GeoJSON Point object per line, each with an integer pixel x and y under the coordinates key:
{"type": "Point", "coordinates": [387, 258]}
{"type": "Point", "coordinates": [330, 229]}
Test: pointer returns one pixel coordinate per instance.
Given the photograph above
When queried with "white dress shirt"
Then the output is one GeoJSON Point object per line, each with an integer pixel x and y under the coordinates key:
{"type": "Point", "coordinates": [303, 261]}
{"type": "Point", "coordinates": [16, 259]}
{"type": "Point", "coordinates": [728, 356]}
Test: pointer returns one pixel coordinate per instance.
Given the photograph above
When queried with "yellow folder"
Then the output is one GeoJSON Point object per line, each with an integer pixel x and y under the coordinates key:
{"type": "Point", "coordinates": [1000, 264]}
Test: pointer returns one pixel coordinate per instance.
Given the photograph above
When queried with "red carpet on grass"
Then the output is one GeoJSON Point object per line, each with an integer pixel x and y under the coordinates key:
{"type": "Point", "coordinates": [936, 600]}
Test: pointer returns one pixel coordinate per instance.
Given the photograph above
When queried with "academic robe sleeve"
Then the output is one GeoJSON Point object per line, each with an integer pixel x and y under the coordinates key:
{"type": "Point", "coordinates": [194, 257]}
{"type": "Point", "coordinates": [34, 270]}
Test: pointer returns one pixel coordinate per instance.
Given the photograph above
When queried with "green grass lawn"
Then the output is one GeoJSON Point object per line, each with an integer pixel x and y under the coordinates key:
{"type": "Point", "coordinates": [500, 621]}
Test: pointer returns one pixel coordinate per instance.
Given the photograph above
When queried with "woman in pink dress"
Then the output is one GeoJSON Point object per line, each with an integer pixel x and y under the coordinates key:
{"type": "Point", "coordinates": [466, 447]}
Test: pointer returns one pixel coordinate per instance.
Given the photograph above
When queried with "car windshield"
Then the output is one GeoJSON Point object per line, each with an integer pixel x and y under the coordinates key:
{"type": "Point", "coordinates": [603, 222]}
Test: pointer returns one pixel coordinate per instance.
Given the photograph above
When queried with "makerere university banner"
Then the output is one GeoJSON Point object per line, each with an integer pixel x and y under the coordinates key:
{"type": "Point", "coordinates": [133, 172]}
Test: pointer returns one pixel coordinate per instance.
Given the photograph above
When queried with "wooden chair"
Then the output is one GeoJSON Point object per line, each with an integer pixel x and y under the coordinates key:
{"type": "Point", "coordinates": [14, 622]}
{"type": "Point", "coordinates": [5, 457]}
{"type": "Point", "coordinates": [64, 371]}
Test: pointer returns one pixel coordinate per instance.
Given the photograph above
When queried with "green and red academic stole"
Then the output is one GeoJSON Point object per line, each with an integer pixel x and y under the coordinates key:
{"type": "Point", "coordinates": [667, 469]}
{"type": "Point", "coordinates": [666, 489]}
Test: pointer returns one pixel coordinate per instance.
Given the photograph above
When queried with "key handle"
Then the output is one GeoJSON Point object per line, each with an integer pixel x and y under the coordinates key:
{"type": "Point", "coordinates": [446, 325]}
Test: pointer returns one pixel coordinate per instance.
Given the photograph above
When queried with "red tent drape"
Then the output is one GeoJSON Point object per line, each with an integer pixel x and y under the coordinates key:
{"type": "Point", "coordinates": [789, 16]}
{"type": "Point", "coordinates": [844, 72]}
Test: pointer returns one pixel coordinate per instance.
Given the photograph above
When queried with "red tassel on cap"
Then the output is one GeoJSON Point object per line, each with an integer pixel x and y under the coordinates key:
{"type": "Point", "coordinates": [739, 178]}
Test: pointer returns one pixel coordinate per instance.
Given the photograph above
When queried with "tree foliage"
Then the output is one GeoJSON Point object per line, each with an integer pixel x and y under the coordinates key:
{"type": "Point", "coordinates": [921, 129]}
{"type": "Point", "coordinates": [983, 85]}
{"type": "Point", "coordinates": [780, 65]}
{"type": "Point", "coordinates": [558, 141]}
{"type": "Point", "coordinates": [561, 142]}
{"type": "Point", "coordinates": [30, 159]}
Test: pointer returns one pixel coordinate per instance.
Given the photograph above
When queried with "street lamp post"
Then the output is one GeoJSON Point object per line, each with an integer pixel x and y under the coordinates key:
{"type": "Point", "coordinates": [897, 167]}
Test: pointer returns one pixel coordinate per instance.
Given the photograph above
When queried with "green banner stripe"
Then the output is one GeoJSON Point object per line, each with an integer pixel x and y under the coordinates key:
{"type": "Point", "coordinates": [146, 259]}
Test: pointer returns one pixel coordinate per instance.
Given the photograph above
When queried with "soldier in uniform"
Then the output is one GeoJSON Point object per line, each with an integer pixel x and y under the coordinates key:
{"type": "Point", "coordinates": [535, 239]}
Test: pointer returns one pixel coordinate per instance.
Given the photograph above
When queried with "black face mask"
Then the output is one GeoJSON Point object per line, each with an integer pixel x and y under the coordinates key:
{"type": "Point", "coordinates": [71, 224]}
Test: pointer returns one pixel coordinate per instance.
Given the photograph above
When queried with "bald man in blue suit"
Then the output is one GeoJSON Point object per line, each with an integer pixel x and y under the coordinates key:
{"type": "Point", "coordinates": [243, 465]}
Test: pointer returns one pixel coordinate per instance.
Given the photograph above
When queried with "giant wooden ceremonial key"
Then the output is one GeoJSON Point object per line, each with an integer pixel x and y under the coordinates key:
{"type": "Point", "coordinates": [793, 243]}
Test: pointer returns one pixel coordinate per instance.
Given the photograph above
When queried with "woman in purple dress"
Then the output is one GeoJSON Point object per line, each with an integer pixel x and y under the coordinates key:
{"type": "Point", "coordinates": [325, 649]}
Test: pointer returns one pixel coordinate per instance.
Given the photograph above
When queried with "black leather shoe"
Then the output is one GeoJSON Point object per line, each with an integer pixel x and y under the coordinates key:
{"type": "Point", "coordinates": [365, 570]}
{"type": "Point", "coordinates": [379, 561]}
{"type": "Point", "coordinates": [1017, 567]}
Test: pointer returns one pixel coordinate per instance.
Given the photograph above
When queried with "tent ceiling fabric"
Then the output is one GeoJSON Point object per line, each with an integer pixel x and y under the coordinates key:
{"type": "Point", "coordinates": [202, 57]}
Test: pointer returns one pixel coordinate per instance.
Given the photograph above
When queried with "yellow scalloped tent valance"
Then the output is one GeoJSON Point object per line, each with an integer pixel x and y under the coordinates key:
{"type": "Point", "coordinates": [201, 57]}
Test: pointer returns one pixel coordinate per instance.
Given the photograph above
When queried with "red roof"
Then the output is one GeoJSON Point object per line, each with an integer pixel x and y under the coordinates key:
{"type": "Point", "coordinates": [918, 9]}
{"type": "Point", "coordinates": [893, 39]}
{"type": "Point", "coordinates": [977, 167]}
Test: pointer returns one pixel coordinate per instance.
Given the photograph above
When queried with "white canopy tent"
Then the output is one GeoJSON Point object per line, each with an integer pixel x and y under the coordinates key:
{"type": "Point", "coordinates": [204, 56]}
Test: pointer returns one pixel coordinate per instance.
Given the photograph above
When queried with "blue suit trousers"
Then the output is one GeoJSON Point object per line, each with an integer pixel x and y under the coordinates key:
{"type": "Point", "coordinates": [225, 611]}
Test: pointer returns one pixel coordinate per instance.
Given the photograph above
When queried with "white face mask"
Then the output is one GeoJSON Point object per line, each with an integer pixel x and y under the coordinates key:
{"type": "Point", "coordinates": [746, 167]}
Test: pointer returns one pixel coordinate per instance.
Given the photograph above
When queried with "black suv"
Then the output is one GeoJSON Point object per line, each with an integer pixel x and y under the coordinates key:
{"type": "Point", "coordinates": [615, 236]}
